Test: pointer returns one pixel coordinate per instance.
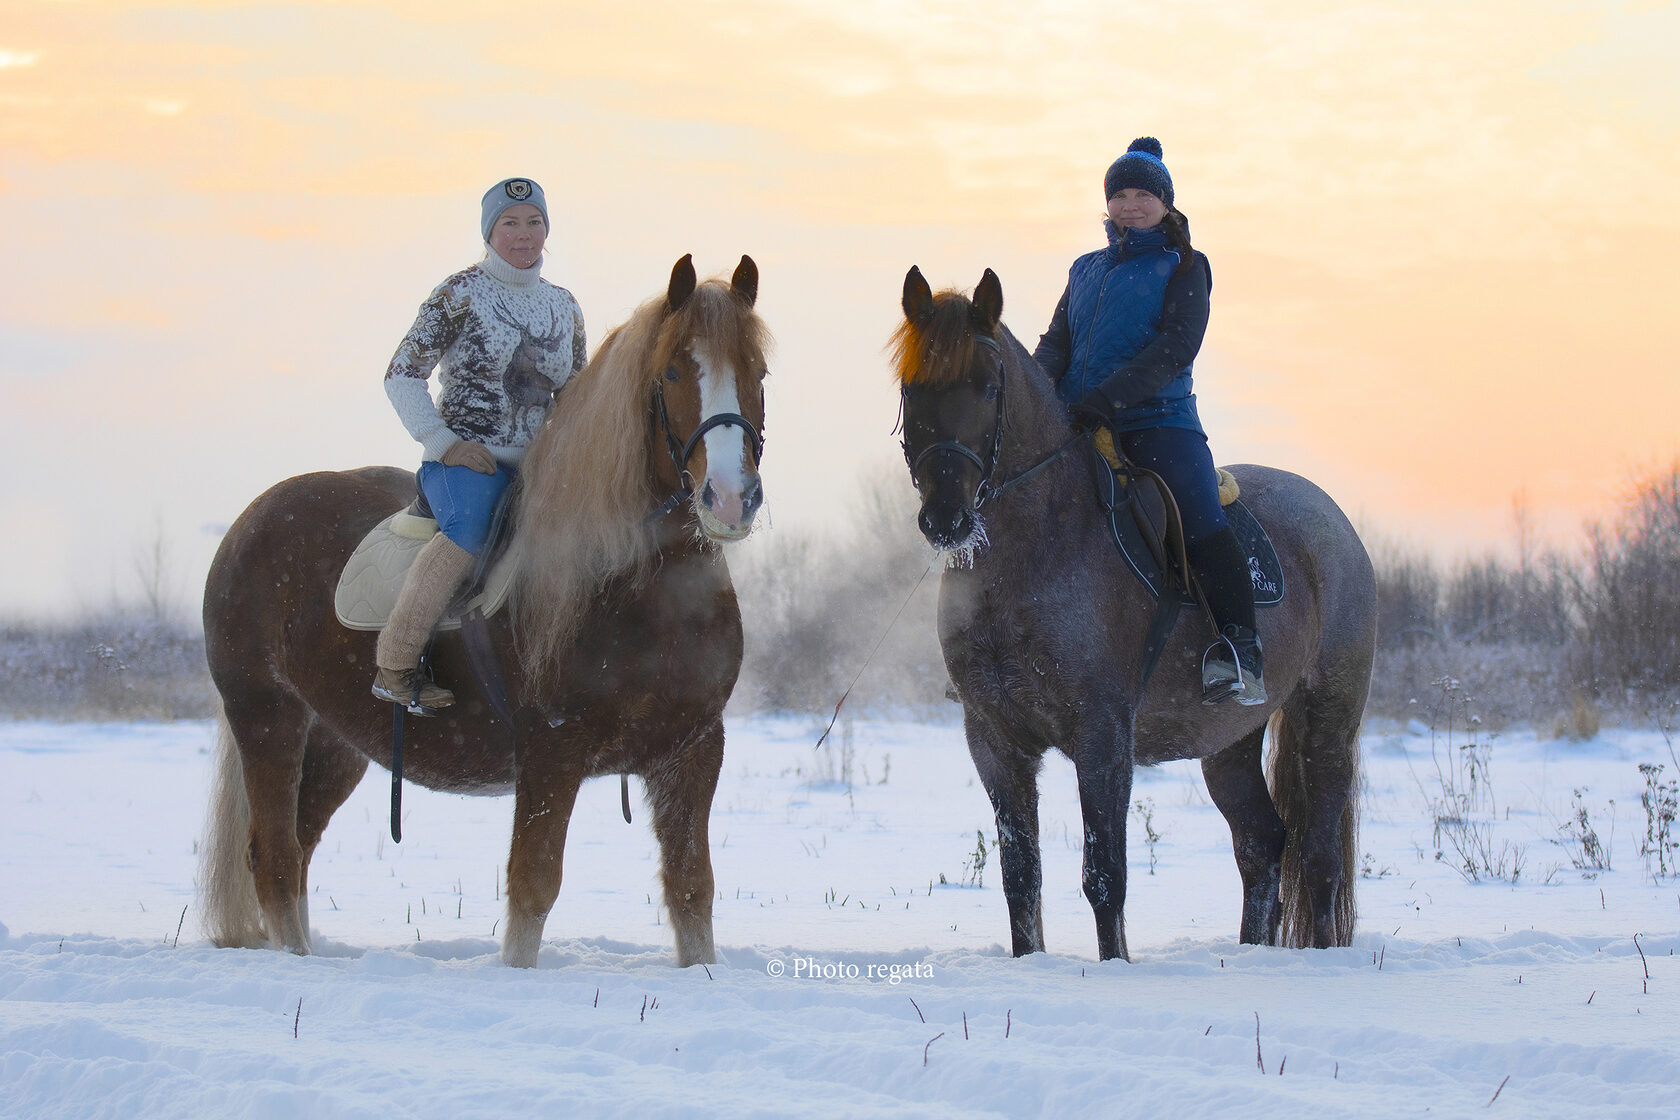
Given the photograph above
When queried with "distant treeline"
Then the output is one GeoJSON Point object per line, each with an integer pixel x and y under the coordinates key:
{"type": "Point", "coordinates": [1549, 634]}
{"type": "Point", "coordinates": [1549, 638]}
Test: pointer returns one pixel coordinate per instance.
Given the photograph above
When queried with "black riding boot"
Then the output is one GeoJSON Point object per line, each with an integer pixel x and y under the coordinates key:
{"type": "Point", "coordinates": [1234, 666]}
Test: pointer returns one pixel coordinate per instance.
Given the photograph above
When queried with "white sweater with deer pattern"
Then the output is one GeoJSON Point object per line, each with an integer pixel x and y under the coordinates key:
{"type": "Point", "coordinates": [502, 340]}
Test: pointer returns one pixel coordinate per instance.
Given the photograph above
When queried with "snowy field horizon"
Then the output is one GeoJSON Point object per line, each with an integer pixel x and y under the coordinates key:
{"type": "Point", "coordinates": [863, 964]}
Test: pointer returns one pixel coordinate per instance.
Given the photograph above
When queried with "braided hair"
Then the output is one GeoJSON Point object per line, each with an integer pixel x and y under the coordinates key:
{"type": "Point", "coordinates": [1178, 236]}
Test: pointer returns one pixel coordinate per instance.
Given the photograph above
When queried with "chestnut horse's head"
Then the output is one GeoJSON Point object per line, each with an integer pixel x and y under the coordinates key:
{"type": "Point", "coordinates": [950, 374]}
{"type": "Point", "coordinates": [709, 397]}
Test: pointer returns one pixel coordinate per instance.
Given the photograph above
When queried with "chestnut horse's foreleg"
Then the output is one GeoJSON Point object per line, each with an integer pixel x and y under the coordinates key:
{"type": "Point", "coordinates": [1010, 777]}
{"type": "Point", "coordinates": [1237, 784]}
{"type": "Point", "coordinates": [1104, 770]}
{"type": "Point", "coordinates": [545, 791]}
{"type": "Point", "coordinates": [270, 732]}
{"type": "Point", "coordinates": [680, 791]}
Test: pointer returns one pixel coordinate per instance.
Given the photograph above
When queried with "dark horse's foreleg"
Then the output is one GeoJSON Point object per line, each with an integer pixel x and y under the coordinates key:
{"type": "Point", "coordinates": [680, 790]}
{"type": "Point", "coordinates": [1105, 790]}
{"type": "Point", "coordinates": [545, 791]}
{"type": "Point", "coordinates": [1237, 784]}
{"type": "Point", "coordinates": [270, 731]}
{"type": "Point", "coordinates": [1010, 776]}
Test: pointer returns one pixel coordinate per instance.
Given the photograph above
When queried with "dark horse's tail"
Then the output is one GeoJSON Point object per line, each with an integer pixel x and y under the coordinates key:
{"type": "Point", "coordinates": [1315, 764]}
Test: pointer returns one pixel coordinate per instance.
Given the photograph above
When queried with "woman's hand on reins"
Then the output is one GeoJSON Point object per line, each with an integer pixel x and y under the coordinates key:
{"type": "Point", "coordinates": [468, 453]}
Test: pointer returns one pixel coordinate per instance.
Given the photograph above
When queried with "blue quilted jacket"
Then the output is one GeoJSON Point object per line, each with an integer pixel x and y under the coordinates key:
{"type": "Point", "coordinates": [1130, 323]}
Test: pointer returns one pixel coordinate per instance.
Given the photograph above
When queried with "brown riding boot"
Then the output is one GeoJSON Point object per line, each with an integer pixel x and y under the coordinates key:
{"type": "Point", "coordinates": [431, 582]}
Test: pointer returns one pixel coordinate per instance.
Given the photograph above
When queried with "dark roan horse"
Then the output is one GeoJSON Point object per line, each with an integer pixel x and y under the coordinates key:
{"type": "Point", "coordinates": [1043, 628]}
{"type": "Point", "coordinates": [625, 633]}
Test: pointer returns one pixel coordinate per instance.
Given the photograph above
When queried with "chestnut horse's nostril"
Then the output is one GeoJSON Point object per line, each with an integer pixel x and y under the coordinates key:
{"type": "Point", "coordinates": [708, 496]}
{"type": "Point", "coordinates": [754, 497]}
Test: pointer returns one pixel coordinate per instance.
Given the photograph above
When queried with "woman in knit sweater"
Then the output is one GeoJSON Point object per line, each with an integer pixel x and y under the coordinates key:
{"type": "Point", "coordinates": [502, 341]}
{"type": "Point", "coordinates": [1120, 348]}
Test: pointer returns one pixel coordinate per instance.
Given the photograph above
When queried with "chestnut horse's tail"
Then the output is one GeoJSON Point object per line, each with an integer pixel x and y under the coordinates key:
{"type": "Point", "coordinates": [227, 895]}
{"type": "Point", "coordinates": [1314, 779]}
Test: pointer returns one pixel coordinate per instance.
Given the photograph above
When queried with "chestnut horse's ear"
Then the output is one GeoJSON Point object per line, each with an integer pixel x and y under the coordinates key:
{"type": "Point", "coordinates": [745, 281]}
{"type": "Point", "coordinates": [683, 281]}
{"type": "Point", "coordinates": [918, 297]}
{"type": "Point", "coordinates": [988, 302]}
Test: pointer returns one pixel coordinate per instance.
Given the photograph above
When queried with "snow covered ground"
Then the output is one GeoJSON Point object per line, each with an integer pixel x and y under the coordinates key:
{"type": "Point", "coordinates": [861, 971]}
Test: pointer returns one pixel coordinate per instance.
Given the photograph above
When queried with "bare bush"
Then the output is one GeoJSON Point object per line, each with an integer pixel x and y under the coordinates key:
{"type": "Point", "coordinates": [121, 666]}
{"type": "Point", "coordinates": [1408, 597]}
{"type": "Point", "coordinates": [823, 609]}
{"type": "Point", "coordinates": [1628, 598]}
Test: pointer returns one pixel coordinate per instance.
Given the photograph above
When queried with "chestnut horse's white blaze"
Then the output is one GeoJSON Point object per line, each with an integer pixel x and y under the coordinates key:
{"type": "Point", "coordinates": [729, 490]}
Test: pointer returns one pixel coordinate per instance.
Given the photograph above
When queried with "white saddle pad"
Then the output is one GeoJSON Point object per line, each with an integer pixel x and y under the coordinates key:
{"type": "Point", "coordinates": [367, 590]}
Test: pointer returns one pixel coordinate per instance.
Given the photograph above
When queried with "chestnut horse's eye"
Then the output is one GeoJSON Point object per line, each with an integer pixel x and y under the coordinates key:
{"type": "Point", "coordinates": [671, 374]}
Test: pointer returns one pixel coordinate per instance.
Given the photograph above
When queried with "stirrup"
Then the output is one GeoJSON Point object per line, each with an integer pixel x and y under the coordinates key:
{"type": "Point", "coordinates": [1222, 682]}
{"type": "Point", "coordinates": [417, 695]}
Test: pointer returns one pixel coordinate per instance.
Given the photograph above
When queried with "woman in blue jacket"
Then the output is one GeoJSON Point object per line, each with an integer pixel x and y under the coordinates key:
{"type": "Point", "coordinates": [1120, 348]}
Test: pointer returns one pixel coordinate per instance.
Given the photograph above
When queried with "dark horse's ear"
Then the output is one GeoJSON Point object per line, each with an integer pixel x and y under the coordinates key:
{"type": "Point", "coordinates": [918, 297]}
{"type": "Point", "coordinates": [745, 281]}
{"type": "Point", "coordinates": [988, 302]}
{"type": "Point", "coordinates": [683, 281]}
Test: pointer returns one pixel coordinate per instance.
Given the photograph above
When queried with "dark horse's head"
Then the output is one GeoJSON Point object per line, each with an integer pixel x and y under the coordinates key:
{"type": "Point", "coordinates": [950, 375]}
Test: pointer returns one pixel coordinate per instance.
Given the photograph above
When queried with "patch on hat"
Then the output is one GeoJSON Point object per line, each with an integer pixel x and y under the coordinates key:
{"type": "Point", "coordinates": [518, 189]}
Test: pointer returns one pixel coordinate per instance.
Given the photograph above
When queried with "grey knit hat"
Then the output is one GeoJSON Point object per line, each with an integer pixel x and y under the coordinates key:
{"type": "Point", "coordinates": [1140, 169]}
{"type": "Point", "coordinates": [511, 192]}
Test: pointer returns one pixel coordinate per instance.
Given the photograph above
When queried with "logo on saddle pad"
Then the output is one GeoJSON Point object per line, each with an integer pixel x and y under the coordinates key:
{"type": "Point", "coordinates": [1263, 584]}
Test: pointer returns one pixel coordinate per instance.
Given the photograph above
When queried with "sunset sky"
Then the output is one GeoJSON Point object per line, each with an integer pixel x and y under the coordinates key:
{"type": "Point", "coordinates": [1444, 235]}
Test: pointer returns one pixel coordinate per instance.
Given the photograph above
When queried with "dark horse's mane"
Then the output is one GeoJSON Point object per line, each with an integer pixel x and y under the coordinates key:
{"type": "Point", "coordinates": [936, 352]}
{"type": "Point", "coordinates": [588, 483]}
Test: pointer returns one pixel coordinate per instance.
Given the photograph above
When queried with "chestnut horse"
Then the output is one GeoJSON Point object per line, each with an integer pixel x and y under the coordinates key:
{"type": "Point", "coordinates": [1043, 628]}
{"type": "Point", "coordinates": [625, 633]}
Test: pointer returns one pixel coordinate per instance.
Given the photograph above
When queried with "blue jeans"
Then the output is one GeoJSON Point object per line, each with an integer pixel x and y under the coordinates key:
{"type": "Point", "coordinates": [463, 501]}
{"type": "Point", "coordinates": [1181, 457]}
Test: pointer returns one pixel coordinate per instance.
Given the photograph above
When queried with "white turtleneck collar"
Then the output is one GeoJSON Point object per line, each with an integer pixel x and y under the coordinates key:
{"type": "Point", "coordinates": [506, 273]}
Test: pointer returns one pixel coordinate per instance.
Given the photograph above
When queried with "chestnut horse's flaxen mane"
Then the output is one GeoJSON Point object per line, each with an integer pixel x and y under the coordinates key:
{"type": "Point", "coordinates": [588, 483]}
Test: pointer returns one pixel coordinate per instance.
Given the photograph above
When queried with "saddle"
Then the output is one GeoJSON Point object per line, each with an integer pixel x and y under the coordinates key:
{"type": "Point", "coordinates": [1146, 529]}
{"type": "Point", "coordinates": [1145, 526]}
{"type": "Point", "coordinates": [373, 576]}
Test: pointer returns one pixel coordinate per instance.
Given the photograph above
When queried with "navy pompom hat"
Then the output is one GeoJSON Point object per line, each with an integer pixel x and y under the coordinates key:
{"type": "Point", "coordinates": [1140, 169]}
{"type": "Point", "coordinates": [510, 192]}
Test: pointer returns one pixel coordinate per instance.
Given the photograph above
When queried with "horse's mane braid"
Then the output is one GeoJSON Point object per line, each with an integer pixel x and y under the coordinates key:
{"type": "Point", "coordinates": [935, 353]}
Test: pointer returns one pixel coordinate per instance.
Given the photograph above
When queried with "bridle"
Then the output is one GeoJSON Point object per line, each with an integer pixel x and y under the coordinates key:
{"type": "Point", "coordinates": [682, 450]}
{"type": "Point", "coordinates": [985, 490]}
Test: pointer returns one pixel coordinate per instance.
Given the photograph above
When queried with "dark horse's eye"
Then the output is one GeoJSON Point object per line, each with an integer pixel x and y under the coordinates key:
{"type": "Point", "coordinates": [671, 373]}
{"type": "Point", "coordinates": [991, 393]}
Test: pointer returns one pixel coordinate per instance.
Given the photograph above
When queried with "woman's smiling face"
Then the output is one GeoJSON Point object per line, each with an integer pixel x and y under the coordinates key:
{"type": "Point", "coordinates": [1136, 209]}
{"type": "Point", "coordinates": [518, 235]}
